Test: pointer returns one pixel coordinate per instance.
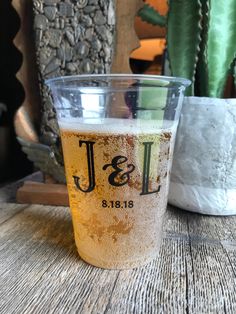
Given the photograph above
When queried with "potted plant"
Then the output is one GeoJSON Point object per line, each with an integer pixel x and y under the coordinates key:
{"type": "Point", "coordinates": [201, 46]}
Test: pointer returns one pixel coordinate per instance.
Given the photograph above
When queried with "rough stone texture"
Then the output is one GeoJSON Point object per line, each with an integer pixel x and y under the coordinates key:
{"type": "Point", "coordinates": [69, 37]}
{"type": "Point", "coordinates": [205, 150]}
{"type": "Point", "coordinates": [205, 156]}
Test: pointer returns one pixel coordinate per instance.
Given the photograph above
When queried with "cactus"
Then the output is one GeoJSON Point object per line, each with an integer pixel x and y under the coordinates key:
{"type": "Point", "coordinates": [150, 15]}
{"type": "Point", "coordinates": [201, 41]}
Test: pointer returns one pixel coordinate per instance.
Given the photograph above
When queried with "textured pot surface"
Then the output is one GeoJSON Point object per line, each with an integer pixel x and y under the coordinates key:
{"type": "Point", "coordinates": [203, 175]}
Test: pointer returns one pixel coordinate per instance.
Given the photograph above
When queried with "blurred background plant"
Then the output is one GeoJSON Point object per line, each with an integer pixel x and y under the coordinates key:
{"type": "Point", "coordinates": [201, 46]}
{"type": "Point", "coordinates": [201, 42]}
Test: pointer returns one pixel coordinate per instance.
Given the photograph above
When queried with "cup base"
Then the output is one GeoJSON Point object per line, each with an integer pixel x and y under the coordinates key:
{"type": "Point", "coordinates": [116, 264]}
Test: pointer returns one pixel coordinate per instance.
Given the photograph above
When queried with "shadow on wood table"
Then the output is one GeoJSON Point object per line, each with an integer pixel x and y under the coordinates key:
{"type": "Point", "coordinates": [41, 272]}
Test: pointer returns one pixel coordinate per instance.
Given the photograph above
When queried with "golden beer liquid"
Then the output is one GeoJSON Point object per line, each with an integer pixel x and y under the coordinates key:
{"type": "Point", "coordinates": [116, 226]}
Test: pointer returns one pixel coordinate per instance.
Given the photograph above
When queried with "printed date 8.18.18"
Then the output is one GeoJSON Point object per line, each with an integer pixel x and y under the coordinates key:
{"type": "Point", "coordinates": [117, 204]}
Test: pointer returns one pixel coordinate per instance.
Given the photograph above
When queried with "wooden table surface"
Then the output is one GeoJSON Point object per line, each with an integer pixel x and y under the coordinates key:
{"type": "Point", "coordinates": [41, 272]}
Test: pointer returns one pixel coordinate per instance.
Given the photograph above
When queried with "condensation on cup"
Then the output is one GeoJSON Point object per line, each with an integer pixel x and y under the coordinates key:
{"type": "Point", "coordinates": [118, 134]}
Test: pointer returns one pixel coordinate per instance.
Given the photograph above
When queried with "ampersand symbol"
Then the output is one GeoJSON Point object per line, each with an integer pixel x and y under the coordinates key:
{"type": "Point", "coordinates": [116, 178]}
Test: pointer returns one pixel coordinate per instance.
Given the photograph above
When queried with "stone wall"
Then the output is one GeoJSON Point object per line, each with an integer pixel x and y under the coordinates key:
{"type": "Point", "coordinates": [71, 37]}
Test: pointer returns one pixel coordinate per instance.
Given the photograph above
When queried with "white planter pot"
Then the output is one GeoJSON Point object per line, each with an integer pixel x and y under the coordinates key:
{"type": "Point", "coordinates": [203, 177]}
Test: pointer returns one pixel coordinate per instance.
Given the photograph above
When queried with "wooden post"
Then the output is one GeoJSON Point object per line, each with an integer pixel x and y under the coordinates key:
{"type": "Point", "coordinates": [126, 37]}
{"type": "Point", "coordinates": [27, 117]}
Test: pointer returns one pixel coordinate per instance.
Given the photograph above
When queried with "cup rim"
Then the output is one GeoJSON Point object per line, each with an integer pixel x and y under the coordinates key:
{"type": "Point", "coordinates": [174, 81]}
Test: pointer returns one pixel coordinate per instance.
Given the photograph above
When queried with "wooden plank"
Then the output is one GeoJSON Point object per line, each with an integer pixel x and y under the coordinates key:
{"type": "Point", "coordinates": [8, 192]}
{"type": "Point", "coordinates": [7, 211]}
{"type": "Point", "coordinates": [45, 259]}
{"type": "Point", "coordinates": [126, 37]}
{"type": "Point", "coordinates": [41, 271]}
{"type": "Point", "coordinates": [43, 193]}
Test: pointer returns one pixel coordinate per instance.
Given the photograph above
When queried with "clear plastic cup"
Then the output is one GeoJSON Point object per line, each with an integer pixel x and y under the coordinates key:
{"type": "Point", "coordinates": [118, 134]}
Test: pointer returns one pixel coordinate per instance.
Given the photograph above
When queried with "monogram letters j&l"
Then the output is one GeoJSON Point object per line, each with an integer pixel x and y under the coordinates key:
{"type": "Point", "coordinates": [116, 164]}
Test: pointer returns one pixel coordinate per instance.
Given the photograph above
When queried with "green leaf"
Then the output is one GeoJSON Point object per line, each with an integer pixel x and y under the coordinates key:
{"type": "Point", "coordinates": [153, 100]}
{"type": "Point", "coordinates": [150, 15]}
{"type": "Point", "coordinates": [221, 44]}
{"type": "Point", "coordinates": [183, 38]}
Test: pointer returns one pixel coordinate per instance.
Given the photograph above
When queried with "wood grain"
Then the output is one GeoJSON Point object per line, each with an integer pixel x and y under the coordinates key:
{"type": "Point", "coordinates": [126, 37]}
{"type": "Point", "coordinates": [8, 191]}
{"type": "Point", "coordinates": [42, 273]}
{"type": "Point", "coordinates": [43, 193]}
